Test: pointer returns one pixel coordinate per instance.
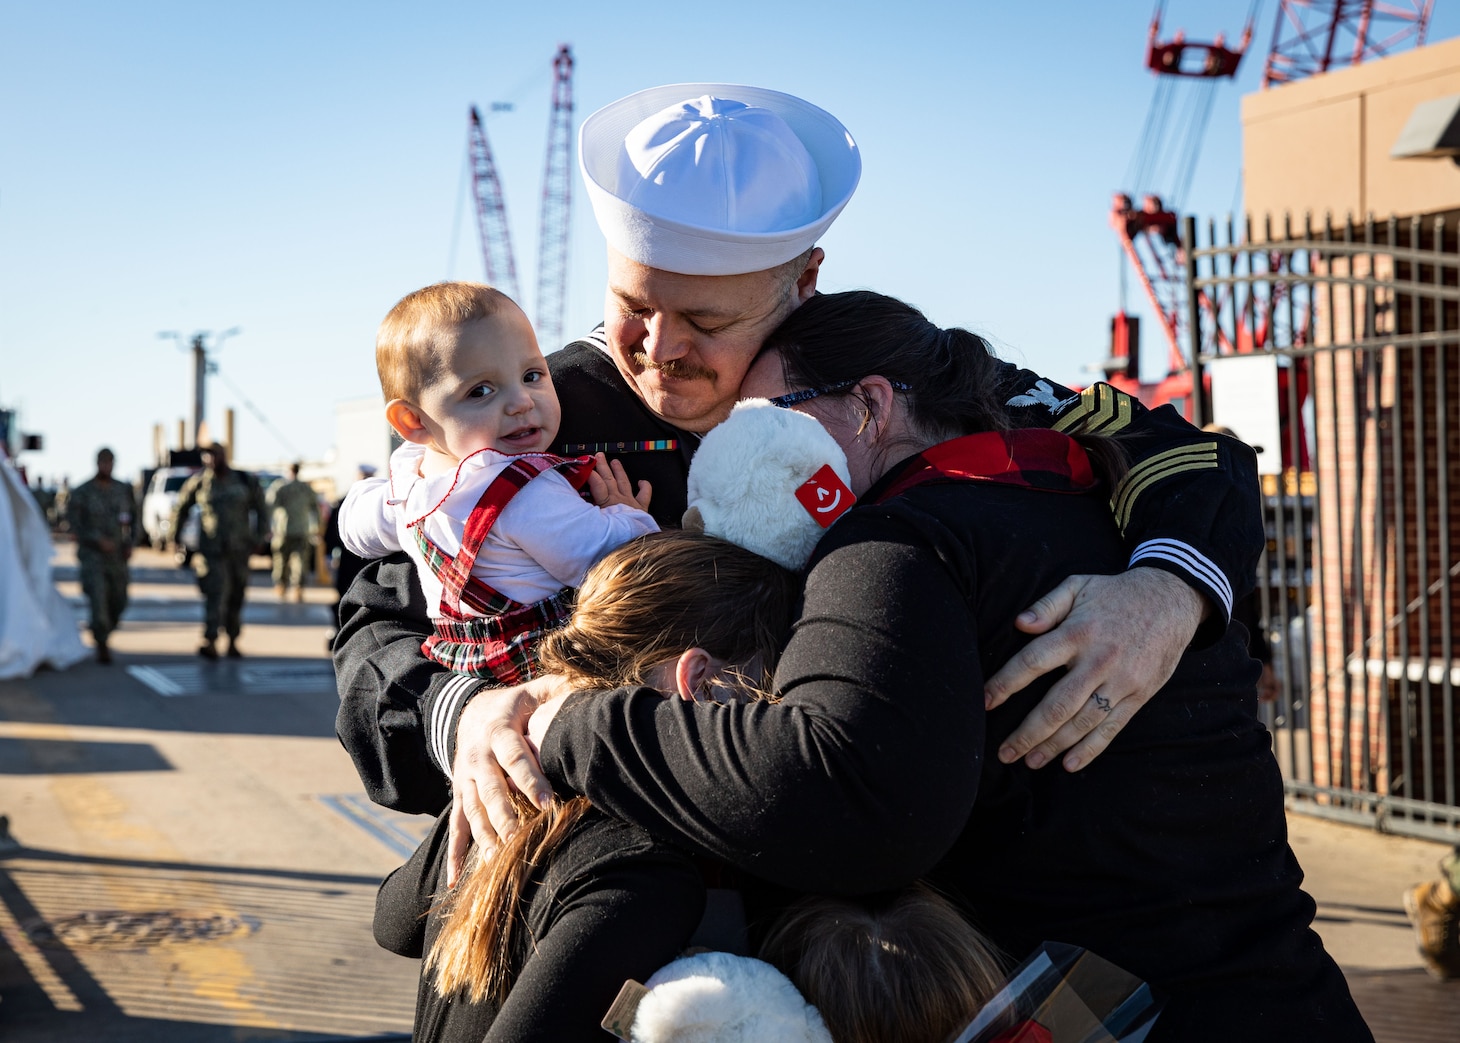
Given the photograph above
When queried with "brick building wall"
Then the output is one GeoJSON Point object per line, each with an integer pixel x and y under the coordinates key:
{"type": "Point", "coordinates": [1387, 434]}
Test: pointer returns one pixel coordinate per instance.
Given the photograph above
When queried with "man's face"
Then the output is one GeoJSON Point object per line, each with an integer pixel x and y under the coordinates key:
{"type": "Point", "coordinates": [104, 463]}
{"type": "Point", "coordinates": [684, 342]}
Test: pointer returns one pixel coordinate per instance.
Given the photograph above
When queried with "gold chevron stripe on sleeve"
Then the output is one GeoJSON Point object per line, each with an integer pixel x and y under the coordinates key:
{"type": "Point", "coordinates": [1201, 456]}
{"type": "Point", "coordinates": [1077, 413]}
{"type": "Point", "coordinates": [1101, 410]}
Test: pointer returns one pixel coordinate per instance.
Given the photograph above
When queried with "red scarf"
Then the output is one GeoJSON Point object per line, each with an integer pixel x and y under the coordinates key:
{"type": "Point", "coordinates": [1032, 457]}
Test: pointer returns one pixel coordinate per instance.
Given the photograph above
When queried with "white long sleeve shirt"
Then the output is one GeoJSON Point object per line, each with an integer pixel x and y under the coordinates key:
{"type": "Point", "coordinates": [545, 539]}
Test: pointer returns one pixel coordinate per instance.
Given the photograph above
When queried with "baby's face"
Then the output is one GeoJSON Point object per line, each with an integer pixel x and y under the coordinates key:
{"type": "Point", "coordinates": [493, 391]}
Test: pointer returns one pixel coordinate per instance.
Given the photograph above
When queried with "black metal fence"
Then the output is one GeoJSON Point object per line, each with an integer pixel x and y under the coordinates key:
{"type": "Point", "coordinates": [1359, 582]}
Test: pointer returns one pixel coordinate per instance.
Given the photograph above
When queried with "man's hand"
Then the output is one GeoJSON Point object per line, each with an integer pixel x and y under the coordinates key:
{"type": "Point", "coordinates": [609, 483]}
{"type": "Point", "coordinates": [1121, 638]}
{"type": "Point", "coordinates": [493, 757]}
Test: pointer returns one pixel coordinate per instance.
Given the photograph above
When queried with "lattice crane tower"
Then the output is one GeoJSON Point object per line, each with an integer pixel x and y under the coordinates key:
{"type": "Point", "coordinates": [1314, 36]}
{"type": "Point", "coordinates": [557, 198]}
{"type": "Point", "coordinates": [491, 210]}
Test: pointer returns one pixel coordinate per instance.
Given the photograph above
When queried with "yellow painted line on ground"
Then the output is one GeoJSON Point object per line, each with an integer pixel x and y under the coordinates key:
{"type": "Point", "coordinates": [73, 732]}
{"type": "Point", "coordinates": [214, 972]}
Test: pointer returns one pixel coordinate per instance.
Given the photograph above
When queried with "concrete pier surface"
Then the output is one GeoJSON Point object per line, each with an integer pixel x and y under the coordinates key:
{"type": "Point", "coordinates": [190, 857]}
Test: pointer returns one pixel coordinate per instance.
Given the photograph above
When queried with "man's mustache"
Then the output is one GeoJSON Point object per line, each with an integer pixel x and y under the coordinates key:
{"type": "Point", "coordinates": [674, 369]}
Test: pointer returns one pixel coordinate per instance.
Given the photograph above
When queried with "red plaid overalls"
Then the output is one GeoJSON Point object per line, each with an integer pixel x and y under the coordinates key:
{"type": "Point", "coordinates": [500, 641]}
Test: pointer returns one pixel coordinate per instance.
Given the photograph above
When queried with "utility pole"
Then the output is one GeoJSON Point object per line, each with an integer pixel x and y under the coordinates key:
{"type": "Point", "coordinates": [202, 366]}
{"type": "Point", "coordinates": [200, 385]}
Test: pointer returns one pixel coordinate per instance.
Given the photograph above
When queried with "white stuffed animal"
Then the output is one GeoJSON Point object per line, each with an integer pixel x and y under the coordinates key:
{"type": "Point", "coordinates": [715, 997]}
{"type": "Point", "coordinates": [770, 480]}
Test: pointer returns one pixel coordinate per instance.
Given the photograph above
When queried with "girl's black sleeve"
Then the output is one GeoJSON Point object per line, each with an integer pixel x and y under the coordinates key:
{"type": "Point", "coordinates": [406, 895]}
{"type": "Point", "coordinates": [862, 775]}
{"type": "Point", "coordinates": [621, 917]}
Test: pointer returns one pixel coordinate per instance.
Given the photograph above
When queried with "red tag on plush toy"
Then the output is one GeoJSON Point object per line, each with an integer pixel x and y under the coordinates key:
{"type": "Point", "coordinates": [825, 496]}
{"type": "Point", "coordinates": [1025, 1032]}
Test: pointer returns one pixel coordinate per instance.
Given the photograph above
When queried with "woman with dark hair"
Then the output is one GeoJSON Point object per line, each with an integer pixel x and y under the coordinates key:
{"type": "Point", "coordinates": [877, 762]}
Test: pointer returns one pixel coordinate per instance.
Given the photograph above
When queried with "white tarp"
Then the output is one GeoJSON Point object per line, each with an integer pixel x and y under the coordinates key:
{"type": "Point", "coordinates": [36, 624]}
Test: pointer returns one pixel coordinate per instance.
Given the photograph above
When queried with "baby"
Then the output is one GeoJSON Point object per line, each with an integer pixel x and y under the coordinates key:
{"type": "Point", "coordinates": [494, 522]}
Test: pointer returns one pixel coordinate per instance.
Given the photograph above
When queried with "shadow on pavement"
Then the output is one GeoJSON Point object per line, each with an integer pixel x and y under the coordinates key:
{"type": "Point", "coordinates": [256, 695]}
{"type": "Point", "coordinates": [1407, 1006]}
{"type": "Point", "coordinates": [171, 952]}
{"type": "Point", "coordinates": [64, 756]}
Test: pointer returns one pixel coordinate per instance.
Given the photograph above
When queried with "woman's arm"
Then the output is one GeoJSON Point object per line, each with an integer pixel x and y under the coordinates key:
{"type": "Point", "coordinates": [861, 776]}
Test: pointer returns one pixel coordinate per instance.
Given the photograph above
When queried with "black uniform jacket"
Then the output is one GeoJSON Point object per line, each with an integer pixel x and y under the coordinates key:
{"type": "Point", "coordinates": [1168, 855]}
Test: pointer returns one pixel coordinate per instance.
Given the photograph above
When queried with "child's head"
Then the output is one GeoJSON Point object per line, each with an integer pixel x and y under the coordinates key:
{"type": "Point", "coordinates": [687, 613]}
{"type": "Point", "coordinates": [684, 612]}
{"type": "Point", "coordinates": [461, 371]}
{"type": "Point", "coordinates": [898, 968]}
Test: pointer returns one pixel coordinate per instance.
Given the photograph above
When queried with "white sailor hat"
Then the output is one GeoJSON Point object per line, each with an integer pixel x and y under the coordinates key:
{"type": "Point", "coordinates": [715, 178]}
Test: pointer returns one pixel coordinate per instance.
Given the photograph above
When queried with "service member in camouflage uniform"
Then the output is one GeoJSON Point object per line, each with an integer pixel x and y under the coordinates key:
{"type": "Point", "coordinates": [295, 510]}
{"type": "Point", "coordinates": [100, 514]}
{"type": "Point", "coordinates": [231, 512]}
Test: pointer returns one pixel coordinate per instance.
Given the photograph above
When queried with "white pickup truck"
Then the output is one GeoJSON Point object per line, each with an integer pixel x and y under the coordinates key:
{"type": "Point", "coordinates": [158, 501]}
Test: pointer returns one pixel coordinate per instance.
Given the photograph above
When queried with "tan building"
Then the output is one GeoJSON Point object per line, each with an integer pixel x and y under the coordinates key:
{"type": "Point", "coordinates": [1322, 145]}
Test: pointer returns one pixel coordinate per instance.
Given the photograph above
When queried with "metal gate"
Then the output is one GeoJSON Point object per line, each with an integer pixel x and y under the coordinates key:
{"type": "Point", "coordinates": [1360, 578]}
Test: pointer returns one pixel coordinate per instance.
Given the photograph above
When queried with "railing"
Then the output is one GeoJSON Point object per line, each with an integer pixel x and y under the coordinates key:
{"type": "Point", "coordinates": [1361, 573]}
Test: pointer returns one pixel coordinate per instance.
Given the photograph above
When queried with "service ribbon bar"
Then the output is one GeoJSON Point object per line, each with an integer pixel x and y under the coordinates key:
{"type": "Point", "coordinates": [658, 445]}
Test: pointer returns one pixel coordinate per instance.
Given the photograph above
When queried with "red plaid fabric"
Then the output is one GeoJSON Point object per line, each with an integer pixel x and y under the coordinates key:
{"type": "Point", "coordinates": [501, 647]}
{"type": "Point", "coordinates": [480, 631]}
{"type": "Point", "coordinates": [1033, 457]}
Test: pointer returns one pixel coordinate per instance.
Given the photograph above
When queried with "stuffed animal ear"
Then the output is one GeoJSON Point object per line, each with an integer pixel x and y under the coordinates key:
{"type": "Point", "coordinates": [692, 520]}
{"type": "Point", "coordinates": [771, 480]}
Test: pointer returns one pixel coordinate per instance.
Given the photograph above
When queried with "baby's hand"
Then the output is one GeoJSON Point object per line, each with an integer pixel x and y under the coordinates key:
{"type": "Point", "coordinates": [609, 484]}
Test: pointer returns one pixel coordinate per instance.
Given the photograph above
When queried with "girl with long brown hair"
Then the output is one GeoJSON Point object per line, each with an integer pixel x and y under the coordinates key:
{"type": "Point", "coordinates": [537, 938]}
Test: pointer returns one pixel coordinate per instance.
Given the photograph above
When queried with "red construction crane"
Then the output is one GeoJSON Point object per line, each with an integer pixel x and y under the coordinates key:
{"type": "Point", "coordinates": [1187, 74]}
{"type": "Point", "coordinates": [557, 198]}
{"type": "Point", "coordinates": [1310, 37]}
{"type": "Point", "coordinates": [1314, 36]}
{"type": "Point", "coordinates": [491, 210]}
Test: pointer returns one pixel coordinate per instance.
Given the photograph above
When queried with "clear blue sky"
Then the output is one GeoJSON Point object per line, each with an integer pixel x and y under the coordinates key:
{"type": "Point", "coordinates": [293, 169]}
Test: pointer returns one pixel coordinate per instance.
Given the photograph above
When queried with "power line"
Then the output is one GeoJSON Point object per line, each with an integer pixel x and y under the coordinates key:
{"type": "Point", "coordinates": [257, 413]}
{"type": "Point", "coordinates": [456, 221]}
